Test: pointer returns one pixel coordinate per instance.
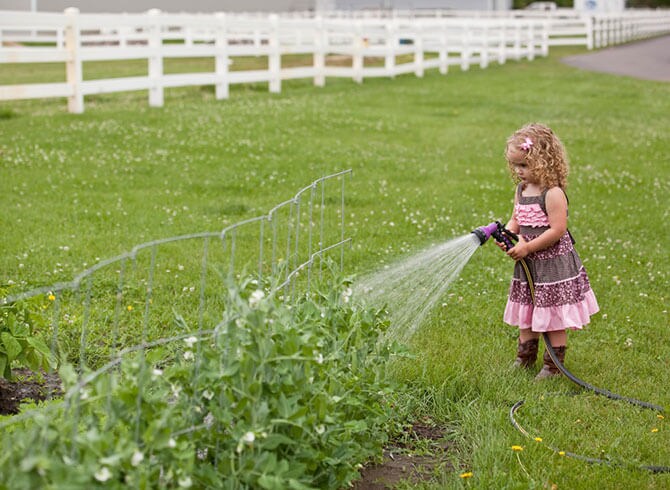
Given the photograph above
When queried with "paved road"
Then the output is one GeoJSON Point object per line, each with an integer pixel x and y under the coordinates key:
{"type": "Point", "coordinates": [648, 60]}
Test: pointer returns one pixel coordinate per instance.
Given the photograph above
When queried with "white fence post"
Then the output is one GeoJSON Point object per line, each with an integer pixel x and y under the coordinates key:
{"type": "Point", "coordinates": [502, 42]}
{"type": "Point", "coordinates": [73, 65]}
{"type": "Point", "coordinates": [530, 40]}
{"type": "Point", "coordinates": [444, 51]}
{"type": "Point", "coordinates": [545, 38]}
{"type": "Point", "coordinates": [418, 49]}
{"type": "Point", "coordinates": [589, 24]}
{"type": "Point", "coordinates": [357, 61]}
{"type": "Point", "coordinates": [484, 44]}
{"type": "Point", "coordinates": [390, 44]}
{"type": "Point", "coordinates": [320, 38]}
{"type": "Point", "coordinates": [465, 48]}
{"type": "Point", "coordinates": [274, 58]}
{"type": "Point", "coordinates": [517, 40]}
{"type": "Point", "coordinates": [221, 60]}
{"type": "Point", "coordinates": [156, 96]}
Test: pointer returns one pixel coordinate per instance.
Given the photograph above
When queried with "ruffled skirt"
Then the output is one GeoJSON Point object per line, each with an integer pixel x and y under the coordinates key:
{"type": "Point", "coordinates": [562, 297]}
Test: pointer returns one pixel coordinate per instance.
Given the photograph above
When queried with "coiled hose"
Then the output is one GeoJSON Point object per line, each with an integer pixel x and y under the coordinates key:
{"type": "Point", "coordinates": [586, 386]}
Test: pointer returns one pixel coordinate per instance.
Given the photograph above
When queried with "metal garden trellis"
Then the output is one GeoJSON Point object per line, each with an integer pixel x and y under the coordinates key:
{"type": "Point", "coordinates": [96, 306]}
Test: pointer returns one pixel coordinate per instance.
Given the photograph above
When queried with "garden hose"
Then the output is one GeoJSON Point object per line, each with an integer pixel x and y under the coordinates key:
{"type": "Point", "coordinates": [585, 385]}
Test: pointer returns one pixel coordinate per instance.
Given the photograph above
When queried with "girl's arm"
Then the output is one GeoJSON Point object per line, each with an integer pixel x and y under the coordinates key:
{"type": "Point", "coordinates": [557, 211]}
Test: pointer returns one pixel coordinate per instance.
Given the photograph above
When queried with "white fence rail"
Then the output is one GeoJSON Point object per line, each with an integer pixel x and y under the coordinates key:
{"type": "Point", "coordinates": [407, 44]}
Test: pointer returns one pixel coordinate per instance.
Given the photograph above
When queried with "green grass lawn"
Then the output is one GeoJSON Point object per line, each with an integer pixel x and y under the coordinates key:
{"type": "Point", "coordinates": [427, 160]}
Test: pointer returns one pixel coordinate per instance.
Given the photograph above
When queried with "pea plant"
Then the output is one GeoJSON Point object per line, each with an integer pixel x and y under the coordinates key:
{"type": "Point", "coordinates": [274, 396]}
{"type": "Point", "coordinates": [22, 330]}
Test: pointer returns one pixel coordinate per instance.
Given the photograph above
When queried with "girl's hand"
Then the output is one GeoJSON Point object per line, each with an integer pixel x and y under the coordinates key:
{"type": "Point", "coordinates": [520, 250]}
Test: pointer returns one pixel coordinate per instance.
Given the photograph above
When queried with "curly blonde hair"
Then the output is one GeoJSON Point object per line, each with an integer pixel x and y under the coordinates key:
{"type": "Point", "coordinates": [544, 153]}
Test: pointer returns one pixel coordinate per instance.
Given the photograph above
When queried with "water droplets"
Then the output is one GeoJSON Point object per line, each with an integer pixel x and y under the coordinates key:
{"type": "Point", "coordinates": [411, 287]}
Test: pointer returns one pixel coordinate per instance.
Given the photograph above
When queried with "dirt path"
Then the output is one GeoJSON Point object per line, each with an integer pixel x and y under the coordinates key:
{"type": "Point", "coordinates": [648, 60]}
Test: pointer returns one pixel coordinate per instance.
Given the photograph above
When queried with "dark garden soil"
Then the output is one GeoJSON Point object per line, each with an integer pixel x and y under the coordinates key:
{"type": "Point", "coordinates": [27, 387]}
{"type": "Point", "coordinates": [413, 458]}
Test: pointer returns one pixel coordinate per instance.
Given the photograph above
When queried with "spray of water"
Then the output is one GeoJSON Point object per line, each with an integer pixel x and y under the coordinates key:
{"type": "Point", "coordinates": [410, 287]}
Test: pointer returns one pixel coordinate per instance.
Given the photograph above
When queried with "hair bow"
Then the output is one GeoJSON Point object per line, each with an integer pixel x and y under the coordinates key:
{"type": "Point", "coordinates": [527, 144]}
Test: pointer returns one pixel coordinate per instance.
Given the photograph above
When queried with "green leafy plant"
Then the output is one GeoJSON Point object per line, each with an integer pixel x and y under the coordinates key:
{"type": "Point", "coordinates": [274, 396]}
{"type": "Point", "coordinates": [21, 344]}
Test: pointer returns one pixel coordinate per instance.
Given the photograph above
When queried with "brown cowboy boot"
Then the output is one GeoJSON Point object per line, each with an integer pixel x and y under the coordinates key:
{"type": "Point", "coordinates": [526, 353]}
{"type": "Point", "coordinates": [550, 369]}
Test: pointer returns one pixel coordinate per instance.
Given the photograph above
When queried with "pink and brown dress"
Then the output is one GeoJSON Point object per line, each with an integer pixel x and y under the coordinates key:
{"type": "Point", "coordinates": [563, 296]}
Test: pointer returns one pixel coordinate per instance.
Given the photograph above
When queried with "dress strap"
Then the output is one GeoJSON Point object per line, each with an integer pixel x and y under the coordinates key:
{"type": "Point", "coordinates": [543, 205]}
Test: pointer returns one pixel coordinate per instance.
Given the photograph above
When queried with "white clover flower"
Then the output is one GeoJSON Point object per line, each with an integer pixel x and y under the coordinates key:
{"type": "Point", "coordinates": [191, 340]}
{"type": "Point", "coordinates": [247, 439]}
{"type": "Point", "coordinates": [320, 429]}
{"type": "Point", "coordinates": [185, 482]}
{"type": "Point", "coordinates": [346, 295]}
{"type": "Point", "coordinates": [318, 357]}
{"type": "Point", "coordinates": [157, 372]}
{"type": "Point", "coordinates": [207, 394]}
{"type": "Point", "coordinates": [137, 458]}
{"type": "Point", "coordinates": [172, 443]}
{"type": "Point", "coordinates": [209, 420]}
{"type": "Point", "coordinates": [255, 298]}
{"type": "Point", "coordinates": [188, 355]}
{"type": "Point", "coordinates": [103, 474]}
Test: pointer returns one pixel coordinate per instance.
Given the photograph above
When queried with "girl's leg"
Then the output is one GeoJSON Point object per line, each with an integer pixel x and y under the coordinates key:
{"type": "Point", "coordinates": [559, 340]}
{"type": "Point", "coordinates": [526, 353]}
{"type": "Point", "coordinates": [526, 334]}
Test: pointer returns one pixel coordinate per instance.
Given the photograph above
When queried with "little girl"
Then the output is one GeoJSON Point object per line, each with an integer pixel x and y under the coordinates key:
{"type": "Point", "coordinates": [563, 297]}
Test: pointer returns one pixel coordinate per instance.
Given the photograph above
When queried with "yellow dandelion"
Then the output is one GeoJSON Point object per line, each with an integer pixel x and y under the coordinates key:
{"type": "Point", "coordinates": [538, 439]}
{"type": "Point", "coordinates": [467, 474]}
{"type": "Point", "coordinates": [654, 429]}
{"type": "Point", "coordinates": [517, 448]}
{"type": "Point", "coordinates": [561, 453]}
{"type": "Point", "coordinates": [51, 297]}
{"type": "Point", "coordinates": [129, 307]}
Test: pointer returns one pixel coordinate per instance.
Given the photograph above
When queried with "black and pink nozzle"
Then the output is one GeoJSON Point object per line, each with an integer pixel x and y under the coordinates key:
{"type": "Point", "coordinates": [499, 233]}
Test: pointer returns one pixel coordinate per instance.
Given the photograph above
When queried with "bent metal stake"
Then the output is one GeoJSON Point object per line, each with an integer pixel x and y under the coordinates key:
{"type": "Point", "coordinates": [502, 235]}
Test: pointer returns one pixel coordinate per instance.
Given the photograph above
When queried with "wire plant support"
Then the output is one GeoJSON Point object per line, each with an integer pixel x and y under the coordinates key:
{"type": "Point", "coordinates": [128, 304]}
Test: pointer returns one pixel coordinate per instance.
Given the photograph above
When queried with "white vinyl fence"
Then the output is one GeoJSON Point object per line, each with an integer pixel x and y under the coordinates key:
{"type": "Point", "coordinates": [334, 46]}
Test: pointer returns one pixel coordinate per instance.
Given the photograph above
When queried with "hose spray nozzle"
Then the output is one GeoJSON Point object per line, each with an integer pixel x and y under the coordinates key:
{"type": "Point", "coordinates": [499, 233]}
